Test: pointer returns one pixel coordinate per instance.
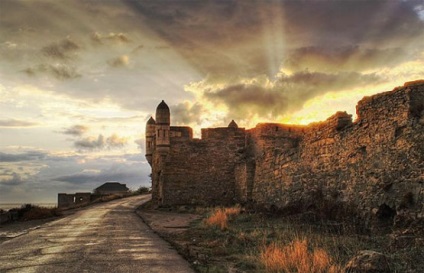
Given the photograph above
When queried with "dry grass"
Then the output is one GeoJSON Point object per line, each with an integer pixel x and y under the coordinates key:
{"type": "Point", "coordinates": [31, 212]}
{"type": "Point", "coordinates": [296, 257]}
{"type": "Point", "coordinates": [220, 217]}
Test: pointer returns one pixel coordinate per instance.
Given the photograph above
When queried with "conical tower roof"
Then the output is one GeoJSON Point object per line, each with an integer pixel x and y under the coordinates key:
{"type": "Point", "coordinates": [233, 124]}
{"type": "Point", "coordinates": [151, 121]}
{"type": "Point", "coordinates": [163, 115]}
{"type": "Point", "coordinates": [163, 106]}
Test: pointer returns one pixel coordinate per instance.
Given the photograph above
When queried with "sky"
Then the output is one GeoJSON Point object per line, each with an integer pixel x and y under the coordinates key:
{"type": "Point", "coordinates": [80, 78]}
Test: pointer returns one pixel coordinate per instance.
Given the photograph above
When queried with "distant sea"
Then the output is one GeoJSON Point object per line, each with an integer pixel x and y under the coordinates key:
{"type": "Point", "coordinates": [8, 206]}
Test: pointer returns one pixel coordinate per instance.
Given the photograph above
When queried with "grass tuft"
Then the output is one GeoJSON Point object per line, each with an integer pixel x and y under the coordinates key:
{"type": "Point", "coordinates": [296, 257]}
{"type": "Point", "coordinates": [220, 217]}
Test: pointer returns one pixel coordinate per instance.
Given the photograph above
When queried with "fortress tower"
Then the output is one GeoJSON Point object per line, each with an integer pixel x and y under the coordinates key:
{"type": "Point", "coordinates": [163, 121]}
{"type": "Point", "coordinates": [150, 139]}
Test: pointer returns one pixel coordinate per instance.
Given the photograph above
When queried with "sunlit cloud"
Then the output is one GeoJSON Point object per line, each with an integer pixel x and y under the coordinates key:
{"type": "Point", "coordinates": [101, 142]}
{"type": "Point", "coordinates": [76, 130]}
{"type": "Point", "coordinates": [119, 61]}
{"type": "Point", "coordinates": [17, 123]}
{"type": "Point", "coordinates": [79, 90]}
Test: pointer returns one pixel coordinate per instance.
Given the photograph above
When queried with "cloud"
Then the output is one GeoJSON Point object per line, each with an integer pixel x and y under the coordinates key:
{"type": "Point", "coordinates": [271, 99]}
{"type": "Point", "coordinates": [185, 113]}
{"type": "Point", "coordinates": [119, 61]}
{"type": "Point", "coordinates": [15, 179]}
{"type": "Point", "coordinates": [140, 143]}
{"type": "Point", "coordinates": [27, 156]}
{"type": "Point", "coordinates": [82, 178]}
{"type": "Point", "coordinates": [16, 123]}
{"type": "Point", "coordinates": [115, 141]}
{"type": "Point", "coordinates": [111, 37]}
{"type": "Point", "coordinates": [129, 172]}
{"type": "Point", "coordinates": [58, 71]}
{"type": "Point", "coordinates": [344, 58]}
{"type": "Point", "coordinates": [100, 142]}
{"type": "Point", "coordinates": [62, 50]}
{"type": "Point", "coordinates": [91, 143]}
{"type": "Point", "coordinates": [252, 38]}
{"type": "Point", "coordinates": [244, 100]}
{"type": "Point", "coordinates": [76, 130]}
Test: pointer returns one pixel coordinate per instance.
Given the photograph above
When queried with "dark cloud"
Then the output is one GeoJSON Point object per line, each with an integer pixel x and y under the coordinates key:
{"type": "Point", "coordinates": [121, 173]}
{"type": "Point", "coordinates": [16, 123]}
{"type": "Point", "coordinates": [348, 58]}
{"type": "Point", "coordinates": [186, 113]}
{"type": "Point", "coordinates": [63, 50]}
{"type": "Point", "coordinates": [248, 38]}
{"type": "Point", "coordinates": [27, 156]}
{"type": "Point", "coordinates": [15, 180]}
{"type": "Point", "coordinates": [76, 130]}
{"type": "Point", "coordinates": [93, 143]}
{"type": "Point", "coordinates": [288, 93]}
{"type": "Point", "coordinates": [244, 101]}
{"type": "Point", "coordinates": [58, 71]}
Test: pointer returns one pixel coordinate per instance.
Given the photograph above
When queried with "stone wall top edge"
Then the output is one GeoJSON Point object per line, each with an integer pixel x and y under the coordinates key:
{"type": "Point", "coordinates": [330, 122]}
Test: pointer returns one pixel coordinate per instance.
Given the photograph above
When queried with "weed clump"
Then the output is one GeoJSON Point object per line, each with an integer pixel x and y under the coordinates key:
{"type": "Point", "coordinates": [296, 257]}
{"type": "Point", "coordinates": [220, 217]}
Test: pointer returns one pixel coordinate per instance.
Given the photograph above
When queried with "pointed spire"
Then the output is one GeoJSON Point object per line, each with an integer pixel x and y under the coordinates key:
{"type": "Point", "coordinates": [163, 115]}
{"type": "Point", "coordinates": [233, 124]}
{"type": "Point", "coordinates": [163, 105]}
{"type": "Point", "coordinates": [151, 121]}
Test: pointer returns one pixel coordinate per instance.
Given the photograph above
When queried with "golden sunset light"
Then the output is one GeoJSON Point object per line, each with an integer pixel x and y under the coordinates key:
{"type": "Point", "coordinates": [79, 79]}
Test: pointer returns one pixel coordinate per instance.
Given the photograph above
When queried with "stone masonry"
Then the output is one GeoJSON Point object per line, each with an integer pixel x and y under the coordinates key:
{"type": "Point", "coordinates": [375, 163]}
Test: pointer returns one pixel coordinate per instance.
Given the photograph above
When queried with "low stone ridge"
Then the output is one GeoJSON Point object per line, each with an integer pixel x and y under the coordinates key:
{"type": "Point", "coordinates": [374, 164]}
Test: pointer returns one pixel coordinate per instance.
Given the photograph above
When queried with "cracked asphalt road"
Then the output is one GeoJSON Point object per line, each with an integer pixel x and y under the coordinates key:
{"type": "Point", "coordinates": [107, 237]}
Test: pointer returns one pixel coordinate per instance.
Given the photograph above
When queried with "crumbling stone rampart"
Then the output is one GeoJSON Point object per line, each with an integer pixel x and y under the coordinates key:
{"type": "Point", "coordinates": [375, 163]}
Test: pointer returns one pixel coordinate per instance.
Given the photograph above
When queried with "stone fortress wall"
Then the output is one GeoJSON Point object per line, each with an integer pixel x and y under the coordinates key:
{"type": "Point", "coordinates": [375, 163]}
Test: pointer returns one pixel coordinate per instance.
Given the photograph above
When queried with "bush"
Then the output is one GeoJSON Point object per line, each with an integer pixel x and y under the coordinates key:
{"type": "Point", "coordinates": [142, 190]}
{"type": "Point", "coordinates": [31, 212]}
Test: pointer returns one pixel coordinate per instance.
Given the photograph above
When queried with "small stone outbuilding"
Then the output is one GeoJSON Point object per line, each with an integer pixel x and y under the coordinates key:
{"type": "Point", "coordinates": [111, 188]}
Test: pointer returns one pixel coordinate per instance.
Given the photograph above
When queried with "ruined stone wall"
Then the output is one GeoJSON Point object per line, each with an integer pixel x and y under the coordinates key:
{"type": "Point", "coordinates": [375, 163]}
{"type": "Point", "coordinates": [66, 200]}
{"type": "Point", "coordinates": [202, 171]}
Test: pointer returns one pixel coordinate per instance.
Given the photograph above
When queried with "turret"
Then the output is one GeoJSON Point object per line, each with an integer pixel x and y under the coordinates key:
{"type": "Point", "coordinates": [150, 139]}
{"type": "Point", "coordinates": [233, 124]}
{"type": "Point", "coordinates": [163, 120]}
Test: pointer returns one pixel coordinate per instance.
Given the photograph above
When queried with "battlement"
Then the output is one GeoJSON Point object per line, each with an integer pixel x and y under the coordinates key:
{"type": "Point", "coordinates": [181, 132]}
{"type": "Point", "coordinates": [222, 133]}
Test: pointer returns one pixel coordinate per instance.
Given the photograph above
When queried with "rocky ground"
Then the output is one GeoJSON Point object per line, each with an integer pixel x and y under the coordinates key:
{"type": "Point", "coordinates": [237, 248]}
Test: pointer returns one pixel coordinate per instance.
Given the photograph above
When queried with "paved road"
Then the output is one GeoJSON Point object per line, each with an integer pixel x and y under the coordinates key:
{"type": "Point", "coordinates": [108, 237]}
